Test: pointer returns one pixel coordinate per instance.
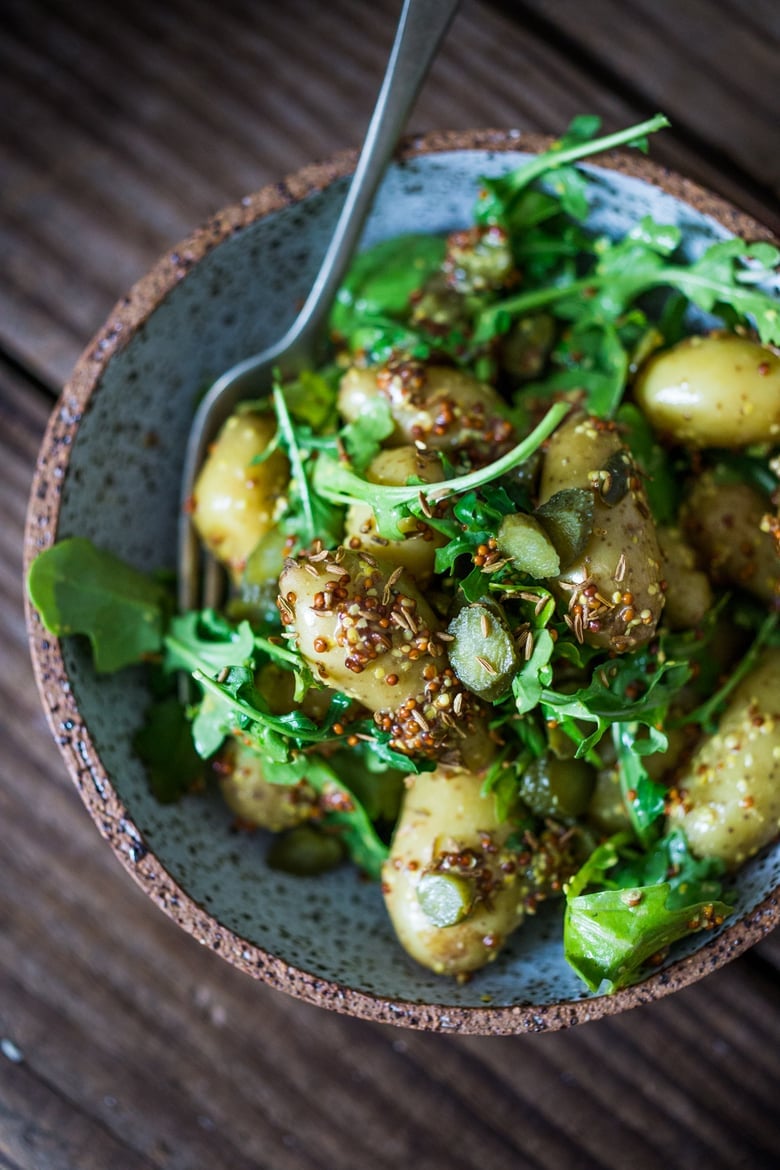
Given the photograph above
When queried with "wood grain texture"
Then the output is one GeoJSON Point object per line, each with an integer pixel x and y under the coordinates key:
{"type": "Point", "coordinates": [124, 127]}
{"type": "Point", "coordinates": [123, 1043]}
{"type": "Point", "coordinates": [709, 64]}
{"type": "Point", "coordinates": [138, 1048]}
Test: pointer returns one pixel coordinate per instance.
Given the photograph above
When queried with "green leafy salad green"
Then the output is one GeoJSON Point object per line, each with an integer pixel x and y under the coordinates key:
{"type": "Point", "coordinates": [503, 584]}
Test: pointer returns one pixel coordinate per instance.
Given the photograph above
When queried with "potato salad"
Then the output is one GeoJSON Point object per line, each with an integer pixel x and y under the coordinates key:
{"type": "Point", "coordinates": [503, 579]}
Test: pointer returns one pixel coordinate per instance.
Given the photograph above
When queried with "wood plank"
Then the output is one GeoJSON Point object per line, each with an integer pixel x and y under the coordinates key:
{"type": "Point", "coordinates": [710, 65]}
{"type": "Point", "coordinates": [39, 1128]}
{"type": "Point", "coordinates": [134, 1047]}
{"type": "Point", "coordinates": [124, 128]}
{"type": "Point", "coordinates": [769, 949]}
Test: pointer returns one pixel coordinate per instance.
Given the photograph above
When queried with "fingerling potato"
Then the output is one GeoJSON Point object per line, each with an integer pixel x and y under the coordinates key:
{"type": "Point", "coordinates": [612, 592]}
{"type": "Point", "coordinates": [728, 800]}
{"type": "Point", "coordinates": [717, 391]}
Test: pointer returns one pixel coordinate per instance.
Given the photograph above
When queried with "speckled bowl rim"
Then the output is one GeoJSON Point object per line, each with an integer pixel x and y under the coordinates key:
{"type": "Point", "coordinates": [82, 761]}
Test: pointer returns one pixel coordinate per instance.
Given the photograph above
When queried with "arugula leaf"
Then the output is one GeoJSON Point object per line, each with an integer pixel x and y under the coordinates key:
{"type": "Point", "coordinates": [378, 786]}
{"type": "Point", "coordinates": [475, 519]}
{"type": "Point", "coordinates": [378, 338]}
{"type": "Point", "coordinates": [377, 742]}
{"type": "Point", "coordinates": [165, 745]}
{"type": "Point", "coordinates": [311, 397]}
{"type": "Point", "coordinates": [610, 937]}
{"type": "Point", "coordinates": [497, 203]}
{"type": "Point", "coordinates": [222, 659]}
{"type": "Point", "coordinates": [206, 641]}
{"type": "Point", "coordinates": [537, 607]}
{"type": "Point", "coordinates": [234, 704]}
{"type": "Point", "coordinates": [78, 588]}
{"type": "Point", "coordinates": [362, 438]}
{"type": "Point", "coordinates": [535, 675]}
{"type": "Point", "coordinates": [690, 879]}
{"type": "Point", "coordinates": [381, 281]}
{"type": "Point", "coordinates": [724, 276]}
{"type": "Point", "coordinates": [338, 484]}
{"type": "Point", "coordinates": [595, 357]}
{"type": "Point", "coordinates": [631, 688]}
{"type": "Point", "coordinates": [644, 798]}
{"type": "Point", "coordinates": [341, 807]}
{"type": "Point", "coordinates": [642, 905]}
{"type": "Point", "coordinates": [308, 516]}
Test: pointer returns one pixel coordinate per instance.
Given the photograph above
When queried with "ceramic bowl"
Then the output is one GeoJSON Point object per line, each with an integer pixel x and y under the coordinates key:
{"type": "Point", "coordinates": [109, 469]}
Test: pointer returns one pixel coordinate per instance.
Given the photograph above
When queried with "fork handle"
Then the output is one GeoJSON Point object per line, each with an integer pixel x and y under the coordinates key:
{"type": "Point", "coordinates": [421, 29]}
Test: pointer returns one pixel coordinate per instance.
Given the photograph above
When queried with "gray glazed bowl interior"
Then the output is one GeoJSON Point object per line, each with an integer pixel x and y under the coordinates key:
{"type": "Point", "coordinates": [110, 469]}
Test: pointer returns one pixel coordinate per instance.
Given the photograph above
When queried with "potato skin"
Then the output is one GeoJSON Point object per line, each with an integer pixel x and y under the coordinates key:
{"type": "Point", "coordinates": [688, 594]}
{"type": "Point", "coordinates": [235, 501]}
{"type": "Point", "coordinates": [447, 827]}
{"type": "Point", "coordinates": [723, 520]}
{"type": "Point", "coordinates": [728, 800]}
{"type": "Point", "coordinates": [246, 792]}
{"type": "Point", "coordinates": [417, 551]}
{"type": "Point", "coordinates": [371, 634]}
{"type": "Point", "coordinates": [443, 811]}
{"type": "Point", "coordinates": [439, 408]}
{"type": "Point", "coordinates": [716, 391]}
{"type": "Point", "coordinates": [613, 592]}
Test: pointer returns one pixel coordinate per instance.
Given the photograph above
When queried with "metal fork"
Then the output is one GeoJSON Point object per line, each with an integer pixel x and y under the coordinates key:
{"type": "Point", "coordinates": [421, 28]}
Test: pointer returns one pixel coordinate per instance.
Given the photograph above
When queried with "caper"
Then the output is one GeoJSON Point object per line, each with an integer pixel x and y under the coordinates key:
{"type": "Point", "coordinates": [567, 517]}
{"type": "Point", "coordinates": [483, 654]}
{"type": "Point", "coordinates": [446, 898]}
{"type": "Point", "coordinates": [523, 538]}
{"type": "Point", "coordinates": [557, 787]}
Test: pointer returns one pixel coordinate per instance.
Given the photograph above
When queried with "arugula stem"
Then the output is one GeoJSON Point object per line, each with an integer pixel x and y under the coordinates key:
{"type": "Point", "coordinates": [296, 462]}
{"type": "Point", "coordinates": [278, 722]}
{"type": "Point", "coordinates": [350, 486]}
{"type": "Point", "coordinates": [705, 713]}
{"type": "Point", "coordinates": [674, 276]}
{"type": "Point", "coordinates": [273, 650]}
{"type": "Point", "coordinates": [558, 157]}
{"type": "Point", "coordinates": [183, 652]}
{"type": "Point", "coordinates": [487, 321]}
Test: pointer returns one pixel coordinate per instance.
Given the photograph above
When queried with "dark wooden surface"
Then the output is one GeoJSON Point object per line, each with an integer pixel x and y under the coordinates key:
{"type": "Point", "coordinates": [123, 1044]}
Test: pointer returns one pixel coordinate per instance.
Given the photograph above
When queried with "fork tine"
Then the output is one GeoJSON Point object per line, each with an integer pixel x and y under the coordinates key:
{"type": "Point", "coordinates": [214, 584]}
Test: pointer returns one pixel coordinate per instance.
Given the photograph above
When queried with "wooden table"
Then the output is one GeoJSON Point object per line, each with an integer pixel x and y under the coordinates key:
{"type": "Point", "coordinates": [123, 1044]}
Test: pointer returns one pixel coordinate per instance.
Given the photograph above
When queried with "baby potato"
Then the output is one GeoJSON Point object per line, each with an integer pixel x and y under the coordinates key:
{"type": "Point", "coordinates": [440, 408]}
{"type": "Point", "coordinates": [688, 593]}
{"type": "Point", "coordinates": [449, 840]}
{"type": "Point", "coordinates": [235, 501]}
{"type": "Point", "coordinates": [416, 552]}
{"type": "Point", "coordinates": [722, 520]}
{"type": "Point", "coordinates": [253, 799]}
{"type": "Point", "coordinates": [606, 811]}
{"type": "Point", "coordinates": [457, 881]}
{"type": "Point", "coordinates": [716, 391]}
{"type": "Point", "coordinates": [728, 799]}
{"type": "Point", "coordinates": [370, 633]}
{"type": "Point", "coordinates": [613, 590]}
